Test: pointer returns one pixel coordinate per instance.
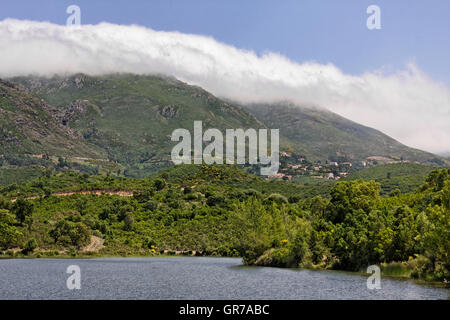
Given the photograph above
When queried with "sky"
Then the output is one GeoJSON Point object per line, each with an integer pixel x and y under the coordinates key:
{"type": "Point", "coordinates": [322, 51]}
{"type": "Point", "coordinates": [325, 31]}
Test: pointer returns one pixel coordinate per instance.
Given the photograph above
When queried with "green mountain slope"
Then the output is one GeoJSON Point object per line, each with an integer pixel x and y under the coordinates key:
{"type": "Point", "coordinates": [128, 120]}
{"type": "Point", "coordinates": [406, 177]}
{"type": "Point", "coordinates": [323, 135]}
{"type": "Point", "coordinates": [132, 117]}
{"type": "Point", "coordinates": [28, 125]}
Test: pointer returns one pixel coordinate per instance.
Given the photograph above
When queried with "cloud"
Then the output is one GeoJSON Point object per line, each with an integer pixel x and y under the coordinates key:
{"type": "Point", "coordinates": [407, 105]}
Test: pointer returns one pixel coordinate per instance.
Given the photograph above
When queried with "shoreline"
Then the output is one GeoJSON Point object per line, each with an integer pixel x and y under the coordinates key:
{"type": "Point", "coordinates": [420, 281]}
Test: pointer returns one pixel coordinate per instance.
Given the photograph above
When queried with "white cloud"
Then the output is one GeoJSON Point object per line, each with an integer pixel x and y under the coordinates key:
{"type": "Point", "coordinates": [407, 105]}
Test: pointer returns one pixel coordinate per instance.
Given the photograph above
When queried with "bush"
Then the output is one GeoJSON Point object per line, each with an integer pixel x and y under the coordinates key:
{"type": "Point", "coordinates": [277, 198]}
{"type": "Point", "coordinates": [70, 233]}
{"type": "Point", "coordinates": [281, 257]}
{"type": "Point", "coordinates": [151, 205]}
{"type": "Point", "coordinates": [22, 209]}
{"type": "Point", "coordinates": [30, 246]}
{"type": "Point", "coordinates": [9, 234]}
{"type": "Point", "coordinates": [191, 197]}
{"type": "Point", "coordinates": [159, 184]}
{"type": "Point", "coordinates": [187, 190]}
{"type": "Point", "coordinates": [128, 222]}
{"type": "Point", "coordinates": [215, 200]}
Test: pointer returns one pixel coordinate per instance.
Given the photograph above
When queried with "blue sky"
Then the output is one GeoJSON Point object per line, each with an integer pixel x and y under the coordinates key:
{"type": "Point", "coordinates": [325, 31]}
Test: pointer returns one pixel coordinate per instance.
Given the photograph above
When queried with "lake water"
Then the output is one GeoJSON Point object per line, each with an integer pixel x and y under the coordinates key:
{"type": "Point", "coordinates": [192, 278]}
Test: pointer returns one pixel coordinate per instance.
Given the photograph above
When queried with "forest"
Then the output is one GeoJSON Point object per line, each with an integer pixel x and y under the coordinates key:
{"type": "Point", "coordinates": [219, 210]}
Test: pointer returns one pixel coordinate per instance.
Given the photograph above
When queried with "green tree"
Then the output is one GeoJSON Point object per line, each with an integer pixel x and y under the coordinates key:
{"type": "Point", "coordinates": [22, 209]}
{"type": "Point", "coordinates": [9, 234]}
{"type": "Point", "coordinates": [30, 246]}
{"type": "Point", "coordinates": [436, 240]}
{"type": "Point", "coordinates": [128, 222]}
{"type": "Point", "coordinates": [159, 184]}
{"type": "Point", "coordinates": [70, 233]}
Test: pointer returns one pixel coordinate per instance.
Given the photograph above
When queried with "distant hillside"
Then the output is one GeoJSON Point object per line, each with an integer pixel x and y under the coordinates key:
{"type": "Point", "coordinates": [323, 135]}
{"type": "Point", "coordinates": [406, 177]}
{"type": "Point", "coordinates": [223, 178]}
{"type": "Point", "coordinates": [20, 174]}
{"type": "Point", "coordinates": [227, 176]}
{"type": "Point", "coordinates": [132, 117]}
{"type": "Point", "coordinates": [28, 125]}
{"type": "Point", "coordinates": [121, 124]}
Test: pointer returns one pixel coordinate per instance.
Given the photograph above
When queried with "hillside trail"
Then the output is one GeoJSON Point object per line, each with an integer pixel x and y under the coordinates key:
{"type": "Point", "coordinates": [122, 193]}
{"type": "Point", "coordinates": [95, 245]}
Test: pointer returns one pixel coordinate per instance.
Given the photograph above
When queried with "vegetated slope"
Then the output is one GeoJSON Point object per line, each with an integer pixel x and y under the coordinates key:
{"type": "Point", "coordinates": [324, 135]}
{"type": "Point", "coordinates": [132, 117]}
{"type": "Point", "coordinates": [227, 177]}
{"type": "Point", "coordinates": [20, 174]}
{"type": "Point", "coordinates": [221, 178]}
{"type": "Point", "coordinates": [29, 125]}
{"type": "Point", "coordinates": [350, 230]}
{"type": "Point", "coordinates": [405, 177]}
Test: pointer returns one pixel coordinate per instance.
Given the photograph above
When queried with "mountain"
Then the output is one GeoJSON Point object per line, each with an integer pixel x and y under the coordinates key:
{"type": "Point", "coordinates": [122, 123]}
{"type": "Point", "coordinates": [323, 135]}
{"type": "Point", "coordinates": [132, 117]}
{"type": "Point", "coordinates": [29, 125]}
{"type": "Point", "coordinates": [445, 154]}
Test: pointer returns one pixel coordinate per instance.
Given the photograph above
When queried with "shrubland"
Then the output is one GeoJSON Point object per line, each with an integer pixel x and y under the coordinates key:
{"type": "Point", "coordinates": [224, 211]}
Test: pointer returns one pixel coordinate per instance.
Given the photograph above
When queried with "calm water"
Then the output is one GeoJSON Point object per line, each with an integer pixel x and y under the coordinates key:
{"type": "Point", "coordinates": [192, 278]}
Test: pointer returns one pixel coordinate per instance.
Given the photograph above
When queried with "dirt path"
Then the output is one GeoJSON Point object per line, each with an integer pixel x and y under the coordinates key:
{"type": "Point", "coordinates": [95, 245]}
{"type": "Point", "coordinates": [123, 193]}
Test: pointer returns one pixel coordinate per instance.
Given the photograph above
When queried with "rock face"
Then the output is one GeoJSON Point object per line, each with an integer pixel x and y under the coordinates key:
{"type": "Point", "coordinates": [169, 111]}
{"type": "Point", "coordinates": [29, 125]}
{"type": "Point", "coordinates": [76, 108]}
{"type": "Point", "coordinates": [79, 81]}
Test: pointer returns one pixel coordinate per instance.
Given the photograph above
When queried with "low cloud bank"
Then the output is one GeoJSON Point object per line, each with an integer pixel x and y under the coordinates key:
{"type": "Point", "coordinates": [407, 105]}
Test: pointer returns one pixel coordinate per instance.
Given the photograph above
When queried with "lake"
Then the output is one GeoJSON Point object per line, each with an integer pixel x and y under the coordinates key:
{"type": "Point", "coordinates": [193, 278]}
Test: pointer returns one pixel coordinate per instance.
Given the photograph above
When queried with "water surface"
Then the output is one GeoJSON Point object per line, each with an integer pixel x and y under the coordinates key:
{"type": "Point", "coordinates": [192, 278]}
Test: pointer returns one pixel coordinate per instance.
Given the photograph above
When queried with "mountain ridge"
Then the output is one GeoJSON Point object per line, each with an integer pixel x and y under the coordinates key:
{"type": "Point", "coordinates": [324, 135]}
{"type": "Point", "coordinates": [127, 119]}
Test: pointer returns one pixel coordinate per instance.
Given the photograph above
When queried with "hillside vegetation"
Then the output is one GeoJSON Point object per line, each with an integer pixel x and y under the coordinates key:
{"type": "Point", "coordinates": [132, 117]}
{"type": "Point", "coordinates": [322, 135]}
{"type": "Point", "coordinates": [394, 178]}
{"type": "Point", "coordinates": [28, 126]}
{"type": "Point", "coordinates": [121, 124]}
{"type": "Point", "coordinates": [221, 210]}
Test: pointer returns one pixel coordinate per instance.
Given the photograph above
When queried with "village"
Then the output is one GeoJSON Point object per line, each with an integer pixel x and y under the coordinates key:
{"type": "Point", "coordinates": [294, 166]}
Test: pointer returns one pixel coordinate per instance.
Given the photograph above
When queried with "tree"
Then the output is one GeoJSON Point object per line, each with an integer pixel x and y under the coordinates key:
{"type": "Point", "coordinates": [144, 195]}
{"type": "Point", "coordinates": [159, 184]}
{"type": "Point", "coordinates": [436, 240]}
{"type": "Point", "coordinates": [277, 198]}
{"type": "Point", "coordinates": [349, 196]}
{"type": "Point", "coordinates": [9, 235]}
{"type": "Point", "coordinates": [128, 222]}
{"type": "Point", "coordinates": [215, 199]}
{"type": "Point", "coordinates": [255, 233]}
{"type": "Point", "coordinates": [352, 209]}
{"type": "Point", "coordinates": [151, 205]}
{"type": "Point", "coordinates": [70, 233]}
{"type": "Point", "coordinates": [187, 190]}
{"type": "Point", "coordinates": [81, 206]}
{"type": "Point", "coordinates": [22, 209]}
{"type": "Point", "coordinates": [405, 233]}
{"type": "Point", "coordinates": [30, 246]}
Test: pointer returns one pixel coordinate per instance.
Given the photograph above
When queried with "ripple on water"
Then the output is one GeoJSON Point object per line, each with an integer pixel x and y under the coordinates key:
{"type": "Point", "coordinates": [192, 278]}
